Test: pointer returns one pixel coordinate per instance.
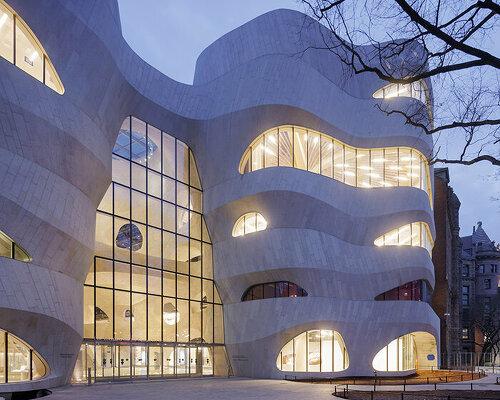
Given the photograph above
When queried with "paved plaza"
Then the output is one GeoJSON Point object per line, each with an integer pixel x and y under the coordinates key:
{"type": "Point", "coordinates": [234, 388]}
{"type": "Point", "coordinates": [206, 389]}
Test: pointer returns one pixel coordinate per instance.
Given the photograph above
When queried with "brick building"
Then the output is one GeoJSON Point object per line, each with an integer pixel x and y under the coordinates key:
{"type": "Point", "coordinates": [446, 258]}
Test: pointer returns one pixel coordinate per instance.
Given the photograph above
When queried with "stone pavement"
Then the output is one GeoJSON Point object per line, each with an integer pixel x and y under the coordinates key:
{"type": "Point", "coordinates": [237, 389]}
{"type": "Point", "coordinates": [196, 389]}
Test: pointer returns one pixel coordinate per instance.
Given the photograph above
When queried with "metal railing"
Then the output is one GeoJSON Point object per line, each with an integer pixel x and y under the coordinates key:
{"type": "Point", "coordinates": [470, 360]}
{"type": "Point", "coordinates": [458, 394]}
{"type": "Point", "coordinates": [391, 380]}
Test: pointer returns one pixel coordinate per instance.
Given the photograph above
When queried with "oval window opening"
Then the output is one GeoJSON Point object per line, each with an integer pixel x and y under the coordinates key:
{"type": "Point", "coordinates": [320, 350]}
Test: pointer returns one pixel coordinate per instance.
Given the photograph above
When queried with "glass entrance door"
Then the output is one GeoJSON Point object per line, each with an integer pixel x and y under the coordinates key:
{"type": "Point", "coordinates": [207, 358]}
{"type": "Point", "coordinates": [104, 360]}
{"type": "Point", "coordinates": [168, 360]}
{"type": "Point", "coordinates": [195, 361]}
{"type": "Point", "coordinates": [182, 360]}
{"type": "Point", "coordinates": [123, 361]}
{"type": "Point", "coordinates": [155, 359]}
{"type": "Point", "coordinates": [140, 360]}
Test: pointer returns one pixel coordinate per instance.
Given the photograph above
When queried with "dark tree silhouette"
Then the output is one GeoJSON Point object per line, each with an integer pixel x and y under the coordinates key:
{"type": "Point", "coordinates": [448, 41]}
{"type": "Point", "coordinates": [488, 324]}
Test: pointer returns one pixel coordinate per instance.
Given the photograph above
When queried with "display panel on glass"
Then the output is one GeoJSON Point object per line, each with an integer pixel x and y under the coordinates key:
{"type": "Point", "coordinates": [24, 49]}
{"type": "Point", "coordinates": [152, 278]}
{"type": "Point", "coordinates": [321, 154]}
{"type": "Point", "coordinates": [321, 350]}
{"type": "Point", "coordinates": [20, 362]}
{"type": "Point", "coordinates": [414, 234]}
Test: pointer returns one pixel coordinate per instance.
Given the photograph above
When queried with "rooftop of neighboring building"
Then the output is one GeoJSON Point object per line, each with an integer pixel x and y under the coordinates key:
{"type": "Point", "coordinates": [479, 241]}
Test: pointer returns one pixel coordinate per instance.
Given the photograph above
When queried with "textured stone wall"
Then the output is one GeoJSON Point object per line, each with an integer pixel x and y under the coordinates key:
{"type": "Point", "coordinates": [55, 165]}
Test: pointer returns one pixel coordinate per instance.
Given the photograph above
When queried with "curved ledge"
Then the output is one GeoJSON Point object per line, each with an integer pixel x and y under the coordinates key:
{"type": "Point", "coordinates": [319, 309]}
{"type": "Point", "coordinates": [364, 336]}
{"type": "Point", "coordinates": [325, 205]}
{"type": "Point", "coordinates": [323, 265]}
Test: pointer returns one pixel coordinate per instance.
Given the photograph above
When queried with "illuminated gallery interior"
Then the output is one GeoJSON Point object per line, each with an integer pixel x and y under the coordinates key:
{"type": "Point", "coordinates": [151, 308]}
{"type": "Point", "coordinates": [251, 223]}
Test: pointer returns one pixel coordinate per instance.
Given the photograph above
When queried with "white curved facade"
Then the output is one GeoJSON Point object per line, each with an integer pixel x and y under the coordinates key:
{"type": "Point", "coordinates": [56, 148]}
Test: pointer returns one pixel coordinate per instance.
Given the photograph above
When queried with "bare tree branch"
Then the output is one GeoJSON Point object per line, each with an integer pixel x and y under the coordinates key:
{"type": "Point", "coordinates": [443, 41]}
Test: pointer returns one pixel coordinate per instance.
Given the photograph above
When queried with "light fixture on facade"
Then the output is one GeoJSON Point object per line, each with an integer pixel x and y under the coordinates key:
{"type": "Point", "coordinates": [170, 314]}
{"type": "Point", "coordinates": [128, 314]}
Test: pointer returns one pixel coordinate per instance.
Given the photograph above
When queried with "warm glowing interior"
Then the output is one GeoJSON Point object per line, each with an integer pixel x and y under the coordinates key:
{"type": "Point", "coordinates": [24, 50]}
{"type": "Point", "coordinates": [249, 223]}
{"type": "Point", "coordinates": [152, 276]}
{"type": "Point", "coordinates": [314, 351]}
{"type": "Point", "coordinates": [292, 146]}
{"type": "Point", "coordinates": [415, 234]}
{"type": "Point", "coordinates": [415, 350]}
{"type": "Point", "coordinates": [22, 363]}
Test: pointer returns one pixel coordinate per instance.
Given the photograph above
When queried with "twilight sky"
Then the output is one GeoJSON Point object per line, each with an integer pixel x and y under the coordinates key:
{"type": "Point", "coordinates": [170, 34]}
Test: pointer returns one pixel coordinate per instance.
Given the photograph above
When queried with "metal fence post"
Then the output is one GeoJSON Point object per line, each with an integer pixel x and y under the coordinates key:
{"type": "Point", "coordinates": [89, 376]}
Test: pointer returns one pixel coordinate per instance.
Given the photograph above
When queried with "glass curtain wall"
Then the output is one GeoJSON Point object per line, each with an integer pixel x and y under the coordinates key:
{"type": "Point", "coordinates": [320, 350]}
{"type": "Point", "coordinates": [18, 361]}
{"type": "Point", "coordinates": [399, 355]}
{"type": "Point", "coordinates": [292, 146]}
{"type": "Point", "coordinates": [415, 234]}
{"type": "Point", "coordinates": [151, 308]}
{"type": "Point", "coordinates": [19, 46]}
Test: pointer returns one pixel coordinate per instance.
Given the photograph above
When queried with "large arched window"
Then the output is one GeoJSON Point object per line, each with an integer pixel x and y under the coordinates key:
{"type": "Point", "coordinates": [297, 147]}
{"type": "Point", "coordinates": [10, 249]}
{"type": "Point", "coordinates": [411, 351]}
{"type": "Point", "coordinates": [314, 351]}
{"type": "Point", "coordinates": [19, 45]}
{"type": "Point", "coordinates": [19, 362]}
{"type": "Point", "coordinates": [249, 223]}
{"type": "Point", "coordinates": [399, 355]}
{"type": "Point", "coordinates": [273, 289]}
{"type": "Point", "coordinates": [415, 234]}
